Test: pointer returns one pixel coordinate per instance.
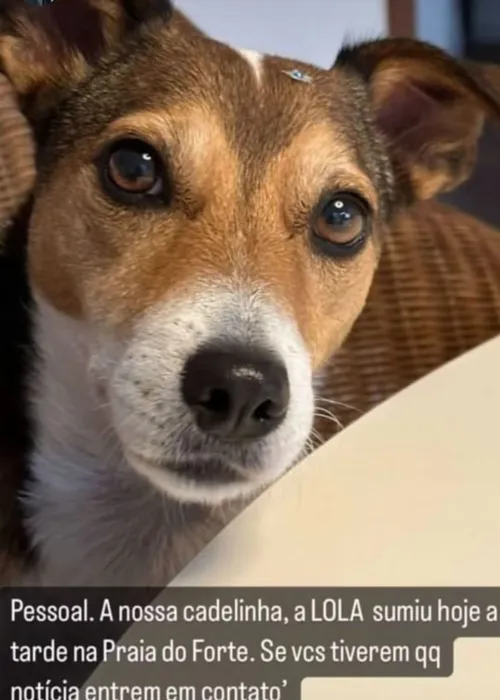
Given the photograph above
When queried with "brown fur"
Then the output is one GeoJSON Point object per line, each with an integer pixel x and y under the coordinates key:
{"type": "Point", "coordinates": [393, 121]}
{"type": "Point", "coordinates": [253, 211]}
{"type": "Point", "coordinates": [258, 187]}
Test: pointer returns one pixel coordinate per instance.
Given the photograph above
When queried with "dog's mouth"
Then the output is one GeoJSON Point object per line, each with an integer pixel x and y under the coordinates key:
{"type": "Point", "coordinates": [195, 479]}
{"type": "Point", "coordinates": [207, 471]}
{"type": "Point", "coordinates": [211, 415]}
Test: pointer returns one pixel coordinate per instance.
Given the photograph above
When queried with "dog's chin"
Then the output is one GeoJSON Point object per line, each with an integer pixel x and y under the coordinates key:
{"type": "Point", "coordinates": [201, 481]}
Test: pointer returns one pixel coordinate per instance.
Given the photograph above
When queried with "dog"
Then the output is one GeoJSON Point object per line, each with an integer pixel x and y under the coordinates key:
{"type": "Point", "coordinates": [202, 236]}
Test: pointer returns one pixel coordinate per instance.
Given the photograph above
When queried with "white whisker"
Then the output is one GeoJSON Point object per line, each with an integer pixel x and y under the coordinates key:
{"type": "Point", "coordinates": [329, 416]}
{"type": "Point", "coordinates": [332, 402]}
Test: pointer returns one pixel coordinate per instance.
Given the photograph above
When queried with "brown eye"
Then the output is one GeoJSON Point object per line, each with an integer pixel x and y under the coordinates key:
{"type": "Point", "coordinates": [341, 224]}
{"type": "Point", "coordinates": [133, 170]}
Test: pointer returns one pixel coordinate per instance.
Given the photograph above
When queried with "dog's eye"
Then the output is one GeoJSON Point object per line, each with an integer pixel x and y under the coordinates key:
{"type": "Point", "coordinates": [340, 225]}
{"type": "Point", "coordinates": [134, 169]}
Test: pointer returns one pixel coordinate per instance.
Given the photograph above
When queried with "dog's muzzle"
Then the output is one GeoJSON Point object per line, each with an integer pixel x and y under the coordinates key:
{"type": "Point", "coordinates": [213, 397]}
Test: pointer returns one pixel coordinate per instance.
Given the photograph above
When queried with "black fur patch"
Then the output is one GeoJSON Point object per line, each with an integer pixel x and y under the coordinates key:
{"type": "Point", "coordinates": [145, 10]}
{"type": "Point", "coordinates": [16, 357]}
{"type": "Point", "coordinates": [74, 25]}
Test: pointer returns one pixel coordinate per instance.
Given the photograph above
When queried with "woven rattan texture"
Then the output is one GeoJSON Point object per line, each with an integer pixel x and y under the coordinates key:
{"type": "Point", "coordinates": [436, 295]}
{"type": "Point", "coordinates": [16, 155]}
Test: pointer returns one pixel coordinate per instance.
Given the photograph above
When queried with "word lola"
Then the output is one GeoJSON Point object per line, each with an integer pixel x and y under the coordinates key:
{"type": "Point", "coordinates": [330, 610]}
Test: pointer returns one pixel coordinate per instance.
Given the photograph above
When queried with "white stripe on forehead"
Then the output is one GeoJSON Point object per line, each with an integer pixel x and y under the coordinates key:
{"type": "Point", "coordinates": [255, 60]}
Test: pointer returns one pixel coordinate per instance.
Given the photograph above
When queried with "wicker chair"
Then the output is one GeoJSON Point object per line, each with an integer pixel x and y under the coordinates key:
{"type": "Point", "coordinates": [17, 169]}
{"type": "Point", "coordinates": [435, 295]}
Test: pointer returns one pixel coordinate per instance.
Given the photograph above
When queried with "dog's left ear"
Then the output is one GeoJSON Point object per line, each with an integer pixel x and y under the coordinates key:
{"type": "Point", "coordinates": [430, 108]}
{"type": "Point", "coordinates": [48, 49]}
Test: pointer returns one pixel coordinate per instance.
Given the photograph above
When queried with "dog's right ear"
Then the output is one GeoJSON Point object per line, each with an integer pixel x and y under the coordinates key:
{"type": "Point", "coordinates": [429, 107]}
{"type": "Point", "coordinates": [46, 49]}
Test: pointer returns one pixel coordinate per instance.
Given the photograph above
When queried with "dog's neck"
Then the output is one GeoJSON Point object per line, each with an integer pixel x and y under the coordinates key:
{"type": "Point", "coordinates": [89, 517]}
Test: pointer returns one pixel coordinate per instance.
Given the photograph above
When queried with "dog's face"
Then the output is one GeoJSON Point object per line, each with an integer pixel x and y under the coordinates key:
{"type": "Point", "coordinates": [213, 218]}
{"type": "Point", "coordinates": [226, 221]}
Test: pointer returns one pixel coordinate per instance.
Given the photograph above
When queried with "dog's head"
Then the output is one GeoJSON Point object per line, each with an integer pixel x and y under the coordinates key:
{"type": "Point", "coordinates": [212, 218]}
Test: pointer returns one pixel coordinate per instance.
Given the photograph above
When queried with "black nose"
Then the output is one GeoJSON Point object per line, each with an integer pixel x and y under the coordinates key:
{"type": "Point", "coordinates": [236, 393]}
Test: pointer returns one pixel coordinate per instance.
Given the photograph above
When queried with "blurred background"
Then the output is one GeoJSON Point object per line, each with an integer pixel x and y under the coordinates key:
{"type": "Point", "coordinates": [313, 31]}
